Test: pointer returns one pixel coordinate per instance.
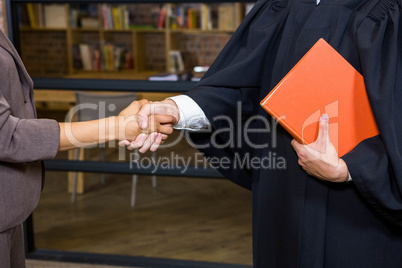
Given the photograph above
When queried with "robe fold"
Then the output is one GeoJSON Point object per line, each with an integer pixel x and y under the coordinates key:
{"type": "Point", "coordinates": [298, 220]}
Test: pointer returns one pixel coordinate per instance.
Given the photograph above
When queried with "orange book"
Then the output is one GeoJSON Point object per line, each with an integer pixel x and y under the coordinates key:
{"type": "Point", "coordinates": [323, 82]}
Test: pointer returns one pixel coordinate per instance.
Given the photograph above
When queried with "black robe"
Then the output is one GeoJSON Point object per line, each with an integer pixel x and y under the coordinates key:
{"type": "Point", "coordinates": [298, 220]}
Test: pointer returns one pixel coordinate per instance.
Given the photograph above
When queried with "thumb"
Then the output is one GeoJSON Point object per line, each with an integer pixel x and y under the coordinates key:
{"type": "Point", "coordinates": [323, 137]}
{"type": "Point", "coordinates": [143, 115]}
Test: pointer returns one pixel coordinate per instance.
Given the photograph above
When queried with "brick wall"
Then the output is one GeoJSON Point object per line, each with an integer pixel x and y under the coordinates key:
{"type": "Point", "coordinates": [201, 49]}
{"type": "Point", "coordinates": [44, 53]}
{"type": "Point", "coordinates": [155, 51]}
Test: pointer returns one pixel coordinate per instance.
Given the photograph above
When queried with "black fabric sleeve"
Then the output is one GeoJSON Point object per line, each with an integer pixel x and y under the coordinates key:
{"type": "Point", "coordinates": [230, 90]}
{"type": "Point", "coordinates": [376, 164]}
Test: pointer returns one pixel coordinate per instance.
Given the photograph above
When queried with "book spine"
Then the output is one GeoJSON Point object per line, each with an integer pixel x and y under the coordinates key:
{"type": "Point", "coordinates": [161, 18]}
{"type": "Point", "coordinates": [31, 15]}
{"type": "Point", "coordinates": [85, 56]}
{"type": "Point", "coordinates": [116, 19]}
{"type": "Point", "coordinates": [104, 16]}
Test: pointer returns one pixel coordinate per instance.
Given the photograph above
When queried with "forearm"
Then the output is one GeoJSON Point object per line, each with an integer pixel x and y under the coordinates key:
{"type": "Point", "coordinates": [89, 133]}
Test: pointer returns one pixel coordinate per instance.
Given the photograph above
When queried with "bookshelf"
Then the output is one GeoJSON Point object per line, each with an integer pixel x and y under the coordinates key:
{"type": "Point", "coordinates": [122, 40]}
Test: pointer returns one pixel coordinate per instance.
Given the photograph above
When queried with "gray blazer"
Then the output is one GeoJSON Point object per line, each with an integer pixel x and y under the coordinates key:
{"type": "Point", "coordinates": [24, 140]}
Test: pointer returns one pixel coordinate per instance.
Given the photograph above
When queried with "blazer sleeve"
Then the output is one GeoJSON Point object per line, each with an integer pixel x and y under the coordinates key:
{"type": "Point", "coordinates": [23, 140]}
{"type": "Point", "coordinates": [376, 164]}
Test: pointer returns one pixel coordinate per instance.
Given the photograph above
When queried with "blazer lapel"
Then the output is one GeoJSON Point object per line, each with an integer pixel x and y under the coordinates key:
{"type": "Point", "coordinates": [26, 81]}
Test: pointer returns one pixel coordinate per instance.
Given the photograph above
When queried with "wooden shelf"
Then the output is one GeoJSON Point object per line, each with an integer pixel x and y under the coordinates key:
{"type": "Point", "coordinates": [143, 47]}
{"type": "Point", "coordinates": [199, 31]}
{"type": "Point", "coordinates": [28, 29]}
{"type": "Point", "coordinates": [85, 29]}
{"type": "Point", "coordinates": [126, 74]}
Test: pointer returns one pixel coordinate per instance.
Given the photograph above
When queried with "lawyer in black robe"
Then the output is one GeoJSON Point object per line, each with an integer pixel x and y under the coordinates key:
{"type": "Point", "coordinates": [298, 220]}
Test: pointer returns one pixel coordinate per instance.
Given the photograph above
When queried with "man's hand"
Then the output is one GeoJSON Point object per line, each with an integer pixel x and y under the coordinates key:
{"type": "Point", "coordinates": [165, 107]}
{"type": "Point", "coordinates": [129, 120]}
{"type": "Point", "coordinates": [165, 110]}
{"type": "Point", "coordinates": [320, 158]}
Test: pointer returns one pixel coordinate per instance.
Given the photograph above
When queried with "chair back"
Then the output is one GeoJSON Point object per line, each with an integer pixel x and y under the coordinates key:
{"type": "Point", "coordinates": [100, 105]}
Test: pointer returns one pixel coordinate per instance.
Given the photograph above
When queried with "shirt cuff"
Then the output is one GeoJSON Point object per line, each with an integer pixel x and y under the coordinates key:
{"type": "Point", "coordinates": [350, 178]}
{"type": "Point", "coordinates": [192, 117]}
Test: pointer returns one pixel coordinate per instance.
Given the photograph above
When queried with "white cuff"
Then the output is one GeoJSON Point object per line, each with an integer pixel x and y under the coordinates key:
{"type": "Point", "coordinates": [192, 116]}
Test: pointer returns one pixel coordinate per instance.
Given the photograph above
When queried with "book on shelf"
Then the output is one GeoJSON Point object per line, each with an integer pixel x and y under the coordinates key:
{"type": "Point", "coordinates": [171, 13]}
{"type": "Point", "coordinates": [54, 16]}
{"type": "Point", "coordinates": [161, 17]}
{"type": "Point", "coordinates": [74, 17]}
{"type": "Point", "coordinates": [192, 18]}
{"type": "Point", "coordinates": [226, 17]}
{"type": "Point", "coordinates": [176, 61]}
{"type": "Point", "coordinates": [200, 16]}
{"type": "Point", "coordinates": [86, 56]}
{"type": "Point", "coordinates": [77, 60]}
{"type": "Point", "coordinates": [31, 15]}
{"type": "Point", "coordinates": [84, 15]}
{"type": "Point", "coordinates": [206, 18]}
{"type": "Point", "coordinates": [115, 17]}
{"type": "Point", "coordinates": [108, 58]}
{"type": "Point", "coordinates": [143, 16]}
{"type": "Point", "coordinates": [37, 15]}
{"type": "Point", "coordinates": [180, 17]}
{"type": "Point", "coordinates": [323, 82]}
{"type": "Point", "coordinates": [88, 22]}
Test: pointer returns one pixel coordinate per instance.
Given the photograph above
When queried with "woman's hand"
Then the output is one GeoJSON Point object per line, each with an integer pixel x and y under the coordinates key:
{"type": "Point", "coordinates": [320, 158]}
{"type": "Point", "coordinates": [158, 127]}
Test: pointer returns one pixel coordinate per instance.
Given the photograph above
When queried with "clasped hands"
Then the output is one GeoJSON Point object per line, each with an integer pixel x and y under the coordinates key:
{"type": "Point", "coordinates": [155, 122]}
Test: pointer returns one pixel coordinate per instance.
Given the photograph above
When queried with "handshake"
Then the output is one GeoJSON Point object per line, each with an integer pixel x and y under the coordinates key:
{"type": "Point", "coordinates": [146, 125]}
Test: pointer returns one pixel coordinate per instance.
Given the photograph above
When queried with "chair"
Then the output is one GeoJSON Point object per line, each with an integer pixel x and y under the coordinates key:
{"type": "Point", "coordinates": [100, 105]}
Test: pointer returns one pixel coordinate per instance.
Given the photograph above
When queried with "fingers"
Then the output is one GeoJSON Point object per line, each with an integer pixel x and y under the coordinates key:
{"type": "Point", "coordinates": [297, 146]}
{"type": "Point", "coordinates": [148, 142]}
{"type": "Point", "coordinates": [124, 143]}
{"type": "Point", "coordinates": [143, 115]}
{"type": "Point", "coordinates": [156, 143]}
{"type": "Point", "coordinates": [138, 142]}
{"type": "Point", "coordinates": [165, 119]}
{"type": "Point", "coordinates": [303, 153]}
{"type": "Point", "coordinates": [145, 142]}
{"type": "Point", "coordinates": [155, 124]}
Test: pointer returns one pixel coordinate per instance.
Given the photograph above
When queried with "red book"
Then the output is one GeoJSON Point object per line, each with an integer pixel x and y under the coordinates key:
{"type": "Point", "coordinates": [323, 82]}
{"type": "Point", "coordinates": [161, 18]}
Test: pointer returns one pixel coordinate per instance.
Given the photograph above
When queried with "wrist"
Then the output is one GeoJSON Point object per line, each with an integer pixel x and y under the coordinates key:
{"type": "Point", "coordinates": [113, 126]}
{"type": "Point", "coordinates": [342, 171]}
{"type": "Point", "coordinates": [175, 107]}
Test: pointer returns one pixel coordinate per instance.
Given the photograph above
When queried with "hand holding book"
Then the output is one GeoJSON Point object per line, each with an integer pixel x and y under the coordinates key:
{"type": "Point", "coordinates": [323, 82]}
{"type": "Point", "coordinates": [320, 158]}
